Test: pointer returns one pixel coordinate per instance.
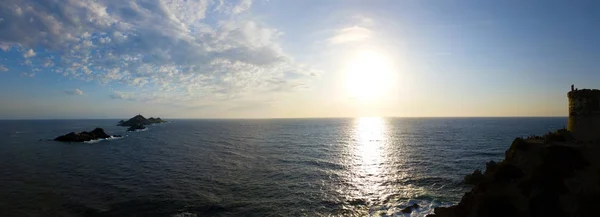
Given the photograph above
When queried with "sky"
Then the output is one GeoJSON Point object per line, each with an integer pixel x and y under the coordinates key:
{"type": "Point", "coordinates": [70, 59]}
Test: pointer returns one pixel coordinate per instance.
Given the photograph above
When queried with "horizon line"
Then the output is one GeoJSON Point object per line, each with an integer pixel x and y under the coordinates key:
{"type": "Point", "coordinates": [263, 118]}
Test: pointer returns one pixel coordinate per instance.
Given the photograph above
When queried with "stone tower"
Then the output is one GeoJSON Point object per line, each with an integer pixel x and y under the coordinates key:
{"type": "Point", "coordinates": [584, 114]}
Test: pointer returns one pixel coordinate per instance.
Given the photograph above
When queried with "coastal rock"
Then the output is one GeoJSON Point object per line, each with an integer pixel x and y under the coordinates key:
{"type": "Point", "coordinates": [410, 208]}
{"type": "Point", "coordinates": [136, 127]}
{"type": "Point", "coordinates": [474, 178]}
{"type": "Point", "coordinates": [139, 120]}
{"type": "Point", "coordinates": [551, 175]}
{"type": "Point", "coordinates": [84, 136]}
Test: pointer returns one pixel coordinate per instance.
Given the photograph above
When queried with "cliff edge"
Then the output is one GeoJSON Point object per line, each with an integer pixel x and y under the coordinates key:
{"type": "Point", "coordinates": [551, 175]}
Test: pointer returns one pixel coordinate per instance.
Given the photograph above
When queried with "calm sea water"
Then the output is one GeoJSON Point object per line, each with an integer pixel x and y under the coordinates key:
{"type": "Point", "coordinates": [285, 167]}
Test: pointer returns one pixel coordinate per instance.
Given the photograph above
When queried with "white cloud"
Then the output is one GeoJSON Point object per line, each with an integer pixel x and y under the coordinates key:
{"type": "Point", "coordinates": [31, 75]}
{"type": "Point", "coordinates": [104, 40]}
{"type": "Point", "coordinates": [48, 63]}
{"type": "Point", "coordinates": [350, 34]}
{"type": "Point", "coordinates": [3, 68]}
{"type": "Point", "coordinates": [168, 47]}
{"type": "Point", "coordinates": [74, 92]}
{"type": "Point", "coordinates": [29, 53]}
{"type": "Point", "coordinates": [121, 95]}
{"type": "Point", "coordinates": [4, 46]}
{"type": "Point", "coordinates": [242, 6]}
{"type": "Point", "coordinates": [233, 7]}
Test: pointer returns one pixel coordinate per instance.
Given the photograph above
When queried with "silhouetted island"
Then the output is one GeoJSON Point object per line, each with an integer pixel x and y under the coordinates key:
{"type": "Point", "coordinates": [84, 136]}
{"type": "Point", "coordinates": [557, 174]}
{"type": "Point", "coordinates": [139, 120]}
{"type": "Point", "coordinates": [136, 127]}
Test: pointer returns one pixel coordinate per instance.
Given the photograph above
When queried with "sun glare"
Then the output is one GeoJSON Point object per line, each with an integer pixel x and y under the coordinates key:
{"type": "Point", "coordinates": [370, 134]}
{"type": "Point", "coordinates": [369, 75]}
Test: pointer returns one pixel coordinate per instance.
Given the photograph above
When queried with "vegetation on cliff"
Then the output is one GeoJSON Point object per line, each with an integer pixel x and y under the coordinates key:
{"type": "Point", "coordinates": [561, 135]}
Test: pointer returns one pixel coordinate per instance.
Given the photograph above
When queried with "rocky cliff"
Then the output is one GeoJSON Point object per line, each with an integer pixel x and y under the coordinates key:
{"type": "Point", "coordinates": [550, 175]}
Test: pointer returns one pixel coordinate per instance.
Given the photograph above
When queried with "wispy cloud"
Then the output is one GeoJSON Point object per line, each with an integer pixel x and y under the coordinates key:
{"type": "Point", "coordinates": [169, 48]}
{"type": "Point", "coordinates": [242, 6]}
{"type": "Point", "coordinates": [30, 74]}
{"type": "Point", "coordinates": [3, 68]}
{"type": "Point", "coordinates": [74, 92]}
{"type": "Point", "coordinates": [350, 34]}
{"type": "Point", "coordinates": [357, 28]}
{"type": "Point", "coordinates": [121, 95]}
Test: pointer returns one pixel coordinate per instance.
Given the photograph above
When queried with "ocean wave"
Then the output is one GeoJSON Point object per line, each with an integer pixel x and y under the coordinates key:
{"type": "Point", "coordinates": [99, 140]}
{"type": "Point", "coordinates": [138, 130]}
{"type": "Point", "coordinates": [426, 207]}
{"type": "Point", "coordinates": [184, 214]}
{"type": "Point", "coordinates": [358, 206]}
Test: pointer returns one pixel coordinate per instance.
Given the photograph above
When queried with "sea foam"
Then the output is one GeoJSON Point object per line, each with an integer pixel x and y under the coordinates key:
{"type": "Point", "coordinates": [99, 140]}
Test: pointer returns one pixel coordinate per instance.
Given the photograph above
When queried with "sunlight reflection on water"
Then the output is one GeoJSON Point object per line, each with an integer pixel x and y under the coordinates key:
{"type": "Point", "coordinates": [376, 183]}
{"type": "Point", "coordinates": [368, 157]}
{"type": "Point", "coordinates": [370, 137]}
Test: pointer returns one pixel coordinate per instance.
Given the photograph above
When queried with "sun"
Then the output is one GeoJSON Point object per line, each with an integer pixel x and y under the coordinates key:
{"type": "Point", "coordinates": [369, 75]}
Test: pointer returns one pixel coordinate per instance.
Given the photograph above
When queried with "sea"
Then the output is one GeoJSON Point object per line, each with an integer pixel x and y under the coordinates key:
{"type": "Point", "coordinates": [367, 166]}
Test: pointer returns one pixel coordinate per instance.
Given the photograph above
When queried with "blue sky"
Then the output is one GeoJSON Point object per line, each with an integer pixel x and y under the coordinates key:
{"type": "Point", "coordinates": [284, 58]}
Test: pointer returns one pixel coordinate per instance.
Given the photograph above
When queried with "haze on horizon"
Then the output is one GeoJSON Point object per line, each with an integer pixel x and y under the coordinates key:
{"type": "Point", "coordinates": [289, 59]}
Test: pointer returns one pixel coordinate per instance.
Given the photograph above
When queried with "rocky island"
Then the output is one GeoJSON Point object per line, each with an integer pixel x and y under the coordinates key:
{"type": "Point", "coordinates": [139, 120]}
{"type": "Point", "coordinates": [136, 127]}
{"type": "Point", "coordinates": [84, 136]}
{"type": "Point", "coordinates": [557, 174]}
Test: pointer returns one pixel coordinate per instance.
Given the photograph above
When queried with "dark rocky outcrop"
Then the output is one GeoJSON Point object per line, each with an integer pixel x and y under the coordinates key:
{"type": "Point", "coordinates": [410, 208]}
{"type": "Point", "coordinates": [84, 136]}
{"type": "Point", "coordinates": [473, 178]}
{"type": "Point", "coordinates": [140, 120]}
{"type": "Point", "coordinates": [136, 127]}
{"type": "Point", "coordinates": [550, 175]}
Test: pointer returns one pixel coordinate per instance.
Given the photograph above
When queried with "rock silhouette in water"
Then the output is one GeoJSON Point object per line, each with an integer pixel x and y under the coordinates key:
{"type": "Point", "coordinates": [84, 136]}
{"type": "Point", "coordinates": [410, 208]}
{"type": "Point", "coordinates": [139, 120]}
{"type": "Point", "coordinates": [136, 127]}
